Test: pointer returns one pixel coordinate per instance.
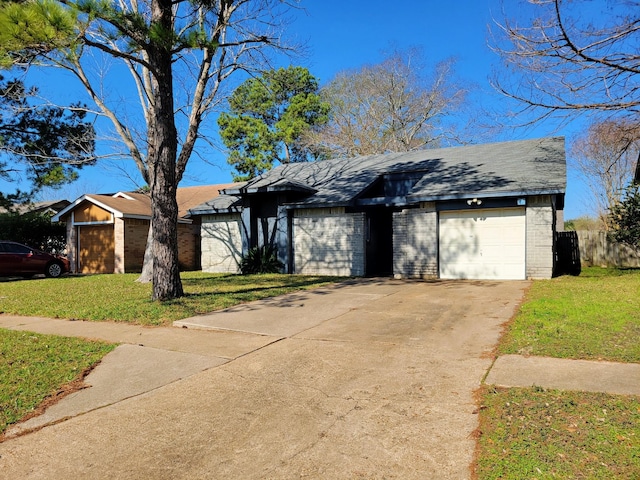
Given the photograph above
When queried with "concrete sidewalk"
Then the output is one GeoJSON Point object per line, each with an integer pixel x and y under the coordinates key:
{"type": "Point", "coordinates": [364, 379]}
{"type": "Point", "coordinates": [564, 374]}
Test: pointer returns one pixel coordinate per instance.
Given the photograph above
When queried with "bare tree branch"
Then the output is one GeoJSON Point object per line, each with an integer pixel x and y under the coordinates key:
{"type": "Point", "coordinates": [569, 61]}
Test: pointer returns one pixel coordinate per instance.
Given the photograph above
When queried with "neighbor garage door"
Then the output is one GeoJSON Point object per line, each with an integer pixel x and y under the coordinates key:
{"type": "Point", "coordinates": [482, 244]}
{"type": "Point", "coordinates": [96, 249]}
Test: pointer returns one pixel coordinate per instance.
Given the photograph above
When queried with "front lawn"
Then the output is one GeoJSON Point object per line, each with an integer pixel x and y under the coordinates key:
{"type": "Point", "coordinates": [595, 316]}
{"type": "Point", "coordinates": [33, 367]}
{"type": "Point", "coordinates": [119, 298]}
{"type": "Point", "coordinates": [543, 434]}
{"type": "Point", "coordinates": [530, 433]}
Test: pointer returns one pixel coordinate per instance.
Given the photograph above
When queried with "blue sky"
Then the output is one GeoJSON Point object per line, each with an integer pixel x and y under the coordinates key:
{"type": "Point", "coordinates": [346, 34]}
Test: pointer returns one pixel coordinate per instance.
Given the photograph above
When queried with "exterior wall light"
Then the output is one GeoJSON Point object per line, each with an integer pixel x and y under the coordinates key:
{"type": "Point", "coordinates": [475, 202]}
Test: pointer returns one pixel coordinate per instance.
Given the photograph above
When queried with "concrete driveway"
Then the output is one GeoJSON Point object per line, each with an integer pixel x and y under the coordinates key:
{"type": "Point", "coordinates": [368, 379]}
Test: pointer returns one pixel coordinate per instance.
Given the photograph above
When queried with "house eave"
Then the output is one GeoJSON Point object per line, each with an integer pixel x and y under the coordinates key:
{"type": "Point", "coordinates": [269, 189]}
{"type": "Point", "coordinates": [385, 201]}
{"type": "Point", "coordinates": [213, 211]}
{"type": "Point", "coordinates": [467, 195]}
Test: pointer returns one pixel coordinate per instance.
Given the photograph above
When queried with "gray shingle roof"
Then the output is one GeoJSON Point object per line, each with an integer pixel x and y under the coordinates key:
{"type": "Point", "coordinates": [526, 167]}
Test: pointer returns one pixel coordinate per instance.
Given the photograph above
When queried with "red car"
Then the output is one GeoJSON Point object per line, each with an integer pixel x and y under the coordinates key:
{"type": "Point", "coordinates": [20, 260]}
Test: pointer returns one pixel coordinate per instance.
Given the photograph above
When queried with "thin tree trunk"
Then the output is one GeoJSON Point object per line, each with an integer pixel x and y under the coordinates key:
{"type": "Point", "coordinates": [147, 264]}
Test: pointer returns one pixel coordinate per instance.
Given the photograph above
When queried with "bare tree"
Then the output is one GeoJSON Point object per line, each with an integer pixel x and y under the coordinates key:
{"type": "Point", "coordinates": [606, 157]}
{"type": "Point", "coordinates": [570, 57]}
{"type": "Point", "coordinates": [179, 54]}
{"type": "Point", "coordinates": [387, 107]}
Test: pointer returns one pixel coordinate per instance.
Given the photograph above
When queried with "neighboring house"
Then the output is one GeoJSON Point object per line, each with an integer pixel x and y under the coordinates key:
{"type": "Point", "coordinates": [50, 207]}
{"type": "Point", "coordinates": [480, 212]}
{"type": "Point", "coordinates": [108, 233]}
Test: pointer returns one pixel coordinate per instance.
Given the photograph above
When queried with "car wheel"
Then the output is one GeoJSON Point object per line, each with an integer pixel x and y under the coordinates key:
{"type": "Point", "coordinates": [54, 270]}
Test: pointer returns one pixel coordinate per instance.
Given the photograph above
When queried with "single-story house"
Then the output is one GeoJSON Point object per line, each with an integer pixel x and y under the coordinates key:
{"type": "Point", "coordinates": [108, 233]}
{"type": "Point", "coordinates": [479, 212]}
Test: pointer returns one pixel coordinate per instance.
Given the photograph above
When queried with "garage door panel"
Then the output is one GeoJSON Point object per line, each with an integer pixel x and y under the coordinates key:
{"type": "Point", "coordinates": [482, 244]}
{"type": "Point", "coordinates": [96, 249]}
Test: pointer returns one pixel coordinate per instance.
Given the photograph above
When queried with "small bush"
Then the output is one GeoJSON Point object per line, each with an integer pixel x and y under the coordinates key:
{"type": "Point", "coordinates": [261, 260]}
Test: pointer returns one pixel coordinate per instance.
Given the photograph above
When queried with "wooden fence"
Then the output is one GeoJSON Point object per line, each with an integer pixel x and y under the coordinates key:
{"type": "Point", "coordinates": [597, 250]}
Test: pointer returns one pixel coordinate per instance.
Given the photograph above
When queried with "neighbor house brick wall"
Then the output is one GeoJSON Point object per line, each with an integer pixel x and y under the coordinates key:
{"type": "Point", "coordinates": [131, 242]}
{"type": "Point", "coordinates": [415, 242]}
{"type": "Point", "coordinates": [540, 236]}
{"type": "Point", "coordinates": [188, 254]}
{"type": "Point", "coordinates": [221, 243]}
{"type": "Point", "coordinates": [327, 242]}
{"type": "Point", "coordinates": [136, 233]}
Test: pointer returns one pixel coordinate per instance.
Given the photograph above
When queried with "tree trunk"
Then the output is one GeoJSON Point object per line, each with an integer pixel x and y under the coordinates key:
{"type": "Point", "coordinates": [164, 220]}
{"type": "Point", "coordinates": [146, 276]}
{"type": "Point", "coordinates": [163, 148]}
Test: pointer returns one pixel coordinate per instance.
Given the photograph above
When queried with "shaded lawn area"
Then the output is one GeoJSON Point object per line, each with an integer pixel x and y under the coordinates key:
{"type": "Point", "coordinates": [33, 367]}
{"type": "Point", "coordinates": [595, 316]}
{"type": "Point", "coordinates": [119, 298]}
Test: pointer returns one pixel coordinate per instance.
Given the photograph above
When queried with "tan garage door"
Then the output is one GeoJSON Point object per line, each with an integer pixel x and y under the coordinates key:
{"type": "Point", "coordinates": [96, 249]}
{"type": "Point", "coordinates": [483, 244]}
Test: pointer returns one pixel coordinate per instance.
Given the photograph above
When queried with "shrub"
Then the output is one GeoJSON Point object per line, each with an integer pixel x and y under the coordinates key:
{"type": "Point", "coordinates": [261, 260]}
{"type": "Point", "coordinates": [624, 218]}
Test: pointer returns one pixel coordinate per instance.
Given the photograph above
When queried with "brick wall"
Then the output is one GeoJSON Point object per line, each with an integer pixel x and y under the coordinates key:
{"type": "Point", "coordinates": [131, 240]}
{"type": "Point", "coordinates": [415, 242]}
{"type": "Point", "coordinates": [221, 243]}
{"type": "Point", "coordinates": [540, 236]}
{"type": "Point", "coordinates": [188, 251]}
{"type": "Point", "coordinates": [134, 243]}
{"type": "Point", "coordinates": [329, 243]}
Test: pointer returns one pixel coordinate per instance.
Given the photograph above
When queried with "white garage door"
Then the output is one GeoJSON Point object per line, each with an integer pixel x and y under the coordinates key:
{"type": "Point", "coordinates": [483, 244]}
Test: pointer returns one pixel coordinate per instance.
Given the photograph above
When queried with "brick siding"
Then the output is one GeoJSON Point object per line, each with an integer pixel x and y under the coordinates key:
{"type": "Point", "coordinates": [540, 236]}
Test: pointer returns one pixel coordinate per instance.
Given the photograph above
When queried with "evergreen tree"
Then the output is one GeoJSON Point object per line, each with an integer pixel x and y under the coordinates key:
{"type": "Point", "coordinates": [624, 218]}
{"type": "Point", "coordinates": [47, 143]}
{"type": "Point", "coordinates": [268, 117]}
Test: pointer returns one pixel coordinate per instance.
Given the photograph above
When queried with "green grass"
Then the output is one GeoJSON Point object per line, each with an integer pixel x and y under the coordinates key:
{"type": "Point", "coordinates": [529, 433]}
{"type": "Point", "coordinates": [595, 316]}
{"type": "Point", "coordinates": [34, 366]}
{"type": "Point", "coordinates": [119, 298]}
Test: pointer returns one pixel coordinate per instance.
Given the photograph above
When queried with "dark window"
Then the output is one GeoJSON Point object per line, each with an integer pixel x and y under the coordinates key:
{"type": "Point", "coordinates": [15, 248]}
